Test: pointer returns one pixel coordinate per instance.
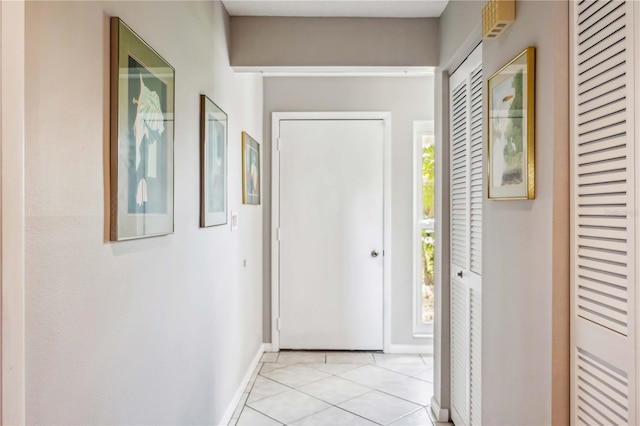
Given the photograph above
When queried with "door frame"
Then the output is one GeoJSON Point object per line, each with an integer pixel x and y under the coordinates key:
{"type": "Point", "coordinates": [275, 212]}
{"type": "Point", "coordinates": [12, 212]}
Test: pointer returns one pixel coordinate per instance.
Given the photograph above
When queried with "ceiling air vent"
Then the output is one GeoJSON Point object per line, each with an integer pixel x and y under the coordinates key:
{"type": "Point", "coordinates": [497, 16]}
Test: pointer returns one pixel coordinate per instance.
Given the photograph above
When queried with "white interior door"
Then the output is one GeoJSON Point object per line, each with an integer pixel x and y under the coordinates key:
{"type": "Point", "coordinates": [467, 189]}
{"type": "Point", "coordinates": [331, 234]}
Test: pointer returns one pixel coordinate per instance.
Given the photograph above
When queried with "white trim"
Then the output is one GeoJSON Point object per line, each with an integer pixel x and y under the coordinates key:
{"type": "Point", "coordinates": [275, 212]}
{"type": "Point", "coordinates": [231, 408]}
{"type": "Point", "coordinates": [354, 71]}
{"type": "Point", "coordinates": [440, 415]}
{"type": "Point", "coordinates": [411, 349]}
{"type": "Point", "coordinates": [420, 329]}
{"type": "Point", "coordinates": [267, 347]}
{"type": "Point", "coordinates": [12, 280]}
{"type": "Point", "coordinates": [636, 190]}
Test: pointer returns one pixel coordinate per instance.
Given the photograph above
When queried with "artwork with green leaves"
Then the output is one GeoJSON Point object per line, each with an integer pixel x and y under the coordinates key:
{"type": "Point", "coordinates": [142, 104]}
{"type": "Point", "coordinates": [511, 128]}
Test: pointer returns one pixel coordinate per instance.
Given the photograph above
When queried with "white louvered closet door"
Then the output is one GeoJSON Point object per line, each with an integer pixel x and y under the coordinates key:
{"type": "Point", "coordinates": [466, 152]}
{"type": "Point", "coordinates": [603, 144]}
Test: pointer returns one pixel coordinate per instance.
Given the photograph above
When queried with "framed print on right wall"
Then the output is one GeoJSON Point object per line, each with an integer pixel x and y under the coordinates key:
{"type": "Point", "coordinates": [250, 170]}
{"type": "Point", "coordinates": [511, 152]}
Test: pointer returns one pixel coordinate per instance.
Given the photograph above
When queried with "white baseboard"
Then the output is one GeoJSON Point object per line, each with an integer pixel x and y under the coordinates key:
{"type": "Point", "coordinates": [267, 347]}
{"type": "Point", "coordinates": [410, 349]}
{"type": "Point", "coordinates": [439, 415]}
{"type": "Point", "coordinates": [243, 384]}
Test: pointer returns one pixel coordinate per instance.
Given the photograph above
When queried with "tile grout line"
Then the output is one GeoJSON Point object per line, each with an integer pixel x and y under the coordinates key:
{"type": "Point", "coordinates": [258, 372]}
{"type": "Point", "coordinates": [266, 415]}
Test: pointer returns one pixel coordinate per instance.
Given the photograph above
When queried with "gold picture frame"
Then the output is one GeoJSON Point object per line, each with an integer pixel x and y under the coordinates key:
{"type": "Point", "coordinates": [511, 126]}
{"type": "Point", "coordinates": [250, 170]}
{"type": "Point", "coordinates": [142, 137]}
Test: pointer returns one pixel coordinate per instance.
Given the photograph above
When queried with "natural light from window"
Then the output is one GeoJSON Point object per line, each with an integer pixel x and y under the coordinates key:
{"type": "Point", "coordinates": [424, 241]}
{"type": "Point", "coordinates": [427, 224]}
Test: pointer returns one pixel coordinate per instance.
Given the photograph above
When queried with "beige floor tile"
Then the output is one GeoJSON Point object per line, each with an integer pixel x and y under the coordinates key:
{"type": "Point", "coordinates": [372, 376]}
{"type": "Point", "coordinates": [295, 375]}
{"type": "Point", "coordinates": [398, 359]}
{"type": "Point", "coordinates": [265, 387]}
{"type": "Point", "coordinates": [419, 418]}
{"type": "Point", "coordinates": [251, 417]}
{"type": "Point", "coordinates": [335, 368]}
{"type": "Point", "coordinates": [271, 366]}
{"type": "Point", "coordinates": [287, 407]}
{"type": "Point", "coordinates": [380, 407]}
{"type": "Point", "coordinates": [411, 389]}
{"type": "Point", "coordinates": [349, 357]}
{"type": "Point", "coordinates": [295, 356]}
{"type": "Point", "coordinates": [333, 416]}
{"type": "Point", "coordinates": [406, 369]}
{"type": "Point", "coordinates": [427, 376]}
{"type": "Point", "coordinates": [334, 390]}
{"type": "Point", "coordinates": [269, 357]}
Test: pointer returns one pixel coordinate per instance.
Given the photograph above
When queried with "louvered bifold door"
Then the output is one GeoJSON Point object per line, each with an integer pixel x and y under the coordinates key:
{"type": "Point", "coordinates": [459, 252]}
{"type": "Point", "coordinates": [466, 148]}
{"type": "Point", "coordinates": [603, 221]}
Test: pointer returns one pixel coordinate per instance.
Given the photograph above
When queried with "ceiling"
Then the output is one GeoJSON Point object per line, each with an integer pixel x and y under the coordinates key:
{"type": "Point", "coordinates": [338, 8]}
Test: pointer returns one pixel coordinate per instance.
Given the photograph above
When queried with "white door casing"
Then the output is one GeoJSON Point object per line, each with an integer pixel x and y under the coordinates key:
{"type": "Point", "coordinates": [604, 139]}
{"type": "Point", "coordinates": [12, 145]}
{"type": "Point", "coordinates": [12, 216]}
{"type": "Point", "coordinates": [331, 234]}
{"type": "Point", "coordinates": [466, 198]}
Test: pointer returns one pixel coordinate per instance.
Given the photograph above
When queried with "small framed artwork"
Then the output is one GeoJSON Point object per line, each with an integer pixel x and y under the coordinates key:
{"type": "Point", "coordinates": [511, 130]}
{"type": "Point", "coordinates": [250, 170]}
{"type": "Point", "coordinates": [142, 106]}
{"type": "Point", "coordinates": [213, 164]}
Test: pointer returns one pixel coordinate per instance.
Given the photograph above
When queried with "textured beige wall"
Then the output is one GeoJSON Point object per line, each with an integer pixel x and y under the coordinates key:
{"type": "Point", "coordinates": [152, 331]}
{"type": "Point", "coordinates": [525, 346]}
{"type": "Point", "coordinates": [305, 42]}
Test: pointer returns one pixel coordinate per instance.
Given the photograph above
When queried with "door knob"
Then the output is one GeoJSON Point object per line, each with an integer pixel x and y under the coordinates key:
{"type": "Point", "coordinates": [374, 253]}
{"type": "Point", "coordinates": [459, 274]}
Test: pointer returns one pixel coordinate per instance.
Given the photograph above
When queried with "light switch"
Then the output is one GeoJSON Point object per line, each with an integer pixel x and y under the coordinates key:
{"type": "Point", "coordinates": [234, 221]}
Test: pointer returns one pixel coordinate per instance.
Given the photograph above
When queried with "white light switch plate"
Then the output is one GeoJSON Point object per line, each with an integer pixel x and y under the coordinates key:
{"type": "Point", "coordinates": [234, 221]}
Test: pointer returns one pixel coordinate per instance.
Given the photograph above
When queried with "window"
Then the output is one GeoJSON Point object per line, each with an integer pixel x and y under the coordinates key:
{"type": "Point", "coordinates": [424, 228]}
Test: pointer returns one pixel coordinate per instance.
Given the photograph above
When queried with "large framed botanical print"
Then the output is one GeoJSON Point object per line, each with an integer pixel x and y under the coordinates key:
{"type": "Point", "coordinates": [142, 107]}
{"type": "Point", "coordinates": [213, 164]}
{"type": "Point", "coordinates": [511, 129]}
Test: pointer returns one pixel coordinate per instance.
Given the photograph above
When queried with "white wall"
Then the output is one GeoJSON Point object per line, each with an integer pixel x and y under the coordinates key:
{"type": "Point", "coordinates": [408, 99]}
{"type": "Point", "coordinates": [152, 331]}
{"type": "Point", "coordinates": [525, 307]}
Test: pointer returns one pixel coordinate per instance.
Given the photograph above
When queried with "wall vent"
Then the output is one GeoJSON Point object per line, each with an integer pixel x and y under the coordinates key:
{"type": "Point", "coordinates": [497, 17]}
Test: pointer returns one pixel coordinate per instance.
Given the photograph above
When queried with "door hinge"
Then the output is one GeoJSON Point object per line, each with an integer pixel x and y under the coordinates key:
{"type": "Point", "coordinates": [278, 323]}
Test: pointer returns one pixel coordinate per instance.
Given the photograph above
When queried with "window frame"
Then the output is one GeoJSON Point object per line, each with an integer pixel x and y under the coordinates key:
{"type": "Point", "coordinates": [420, 128]}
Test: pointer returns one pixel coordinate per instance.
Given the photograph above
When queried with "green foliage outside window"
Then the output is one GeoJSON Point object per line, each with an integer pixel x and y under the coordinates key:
{"type": "Point", "coordinates": [428, 171]}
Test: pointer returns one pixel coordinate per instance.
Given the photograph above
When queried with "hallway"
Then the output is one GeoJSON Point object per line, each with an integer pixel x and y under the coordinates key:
{"type": "Point", "coordinates": [337, 388]}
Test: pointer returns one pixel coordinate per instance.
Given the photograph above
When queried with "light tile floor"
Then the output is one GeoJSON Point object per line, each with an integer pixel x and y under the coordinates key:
{"type": "Point", "coordinates": [338, 388]}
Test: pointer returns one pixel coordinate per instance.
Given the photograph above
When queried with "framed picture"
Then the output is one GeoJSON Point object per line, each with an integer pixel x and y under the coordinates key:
{"type": "Point", "coordinates": [142, 105]}
{"type": "Point", "coordinates": [511, 130]}
{"type": "Point", "coordinates": [250, 170]}
{"type": "Point", "coordinates": [213, 164]}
